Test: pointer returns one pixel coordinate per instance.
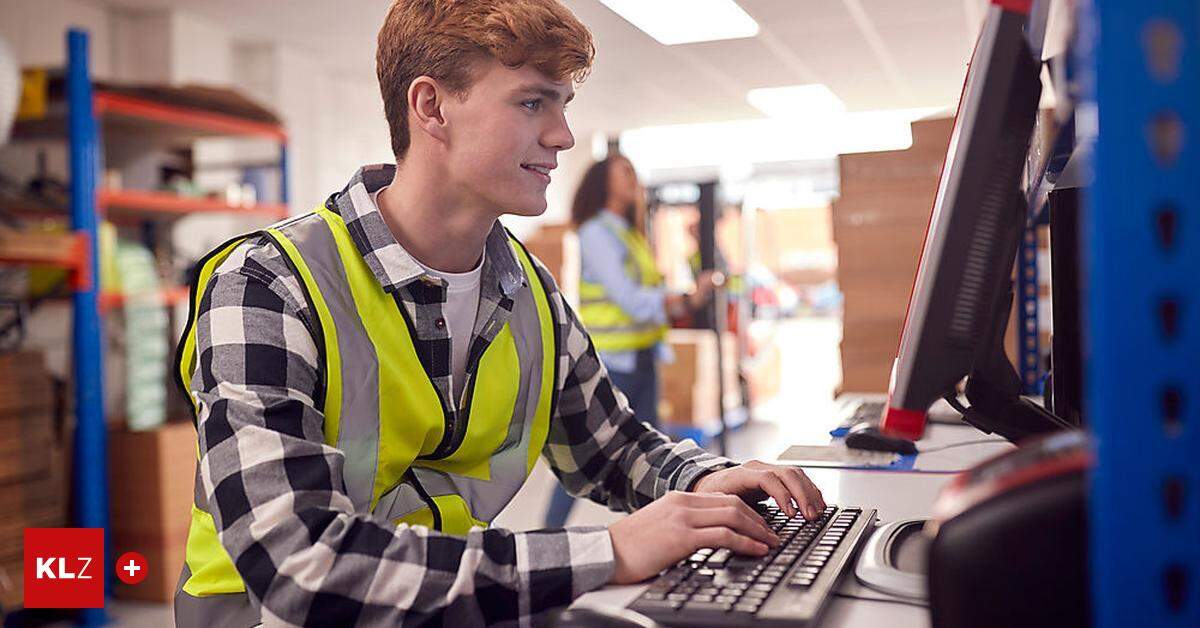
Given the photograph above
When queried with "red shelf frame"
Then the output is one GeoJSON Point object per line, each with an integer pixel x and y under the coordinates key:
{"type": "Point", "coordinates": [168, 296]}
{"type": "Point", "coordinates": [118, 104]}
{"type": "Point", "coordinates": [168, 203]}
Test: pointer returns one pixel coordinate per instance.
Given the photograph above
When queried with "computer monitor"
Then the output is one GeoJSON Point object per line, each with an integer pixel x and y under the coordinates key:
{"type": "Point", "coordinates": [962, 294]}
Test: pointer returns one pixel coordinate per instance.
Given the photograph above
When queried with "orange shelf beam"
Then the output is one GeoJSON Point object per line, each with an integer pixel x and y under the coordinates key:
{"type": "Point", "coordinates": [168, 296]}
{"type": "Point", "coordinates": [184, 117]}
{"type": "Point", "coordinates": [168, 203]}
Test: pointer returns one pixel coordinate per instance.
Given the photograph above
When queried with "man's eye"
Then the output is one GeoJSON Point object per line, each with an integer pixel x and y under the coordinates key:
{"type": "Point", "coordinates": [532, 105]}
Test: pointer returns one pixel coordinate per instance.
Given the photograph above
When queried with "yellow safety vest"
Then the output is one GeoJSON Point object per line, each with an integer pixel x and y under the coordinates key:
{"type": "Point", "coordinates": [402, 464]}
{"type": "Point", "coordinates": [611, 328]}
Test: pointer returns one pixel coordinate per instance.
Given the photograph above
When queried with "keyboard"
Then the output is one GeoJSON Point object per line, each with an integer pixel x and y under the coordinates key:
{"type": "Point", "coordinates": [790, 586]}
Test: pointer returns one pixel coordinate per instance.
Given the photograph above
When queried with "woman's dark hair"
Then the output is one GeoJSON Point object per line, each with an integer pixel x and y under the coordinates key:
{"type": "Point", "coordinates": [592, 194]}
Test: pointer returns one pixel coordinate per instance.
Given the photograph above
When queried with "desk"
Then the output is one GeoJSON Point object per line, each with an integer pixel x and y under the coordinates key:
{"type": "Point", "coordinates": [896, 495]}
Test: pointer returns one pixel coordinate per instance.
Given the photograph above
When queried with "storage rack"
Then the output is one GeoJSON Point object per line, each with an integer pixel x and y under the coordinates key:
{"type": "Point", "coordinates": [1141, 248]}
{"type": "Point", "coordinates": [87, 110]}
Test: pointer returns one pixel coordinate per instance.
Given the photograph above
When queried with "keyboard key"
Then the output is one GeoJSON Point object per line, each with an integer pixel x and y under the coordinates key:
{"type": "Point", "coordinates": [755, 594]}
{"type": "Point", "coordinates": [657, 605]}
{"type": "Point", "coordinates": [725, 599]}
{"type": "Point", "coordinates": [746, 608]}
{"type": "Point", "coordinates": [701, 597]}
{"type": "Point", "coordinates": [719, 557]}
{"type": "Point", "coordinates": [708, 606]}
{"type": "Point", "coordinates": [765, 588]}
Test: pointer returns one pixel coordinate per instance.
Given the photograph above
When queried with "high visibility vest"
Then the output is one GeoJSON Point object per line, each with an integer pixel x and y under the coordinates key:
{"type": "Point", "coordinates": [405, 460]}
{"type": "Point", "coordinates": [611, 328]}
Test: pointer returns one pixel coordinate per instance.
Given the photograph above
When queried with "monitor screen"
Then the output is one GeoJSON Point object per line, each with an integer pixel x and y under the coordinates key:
{"type": "Point", "coordinates": [964, 277]}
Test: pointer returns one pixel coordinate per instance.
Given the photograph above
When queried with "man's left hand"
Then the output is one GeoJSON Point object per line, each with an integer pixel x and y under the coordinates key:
{"type": "Point", "coordinates": [754, 481]}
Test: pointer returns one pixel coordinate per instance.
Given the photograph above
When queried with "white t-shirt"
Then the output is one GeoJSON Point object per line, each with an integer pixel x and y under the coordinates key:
{"type": "Point", "coordinates": [460, 309]}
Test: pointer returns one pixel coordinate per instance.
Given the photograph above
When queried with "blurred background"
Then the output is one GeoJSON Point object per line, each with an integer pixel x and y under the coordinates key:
{"type": "Point", "coordinates": [811, 131]}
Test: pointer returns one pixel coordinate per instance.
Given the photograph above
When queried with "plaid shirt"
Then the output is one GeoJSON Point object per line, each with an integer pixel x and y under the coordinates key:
{"type": "Point", "coordinates": [276, 490]}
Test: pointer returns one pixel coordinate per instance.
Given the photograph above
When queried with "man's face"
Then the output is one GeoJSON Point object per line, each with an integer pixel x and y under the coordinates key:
{"type": "Point", "coordinates": [504, 138]}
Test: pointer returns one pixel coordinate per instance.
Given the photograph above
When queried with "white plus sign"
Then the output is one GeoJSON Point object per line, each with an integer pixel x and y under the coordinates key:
{"type": "Point", "coordinates": [132, 568]}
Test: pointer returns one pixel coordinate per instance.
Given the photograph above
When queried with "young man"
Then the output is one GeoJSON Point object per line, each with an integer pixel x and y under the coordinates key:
{"type": "Point", "coordinates": [374, 380]}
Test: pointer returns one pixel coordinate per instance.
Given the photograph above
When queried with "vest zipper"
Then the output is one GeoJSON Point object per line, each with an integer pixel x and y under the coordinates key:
{"type": "Point", "coordinates": [433, 507]}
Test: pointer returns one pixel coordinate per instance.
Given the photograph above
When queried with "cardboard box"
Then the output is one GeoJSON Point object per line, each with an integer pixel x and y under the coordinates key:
{"type": "Point", "coordinates": [764, 374]}
{"type": "Point", "coordinates": [557, 247]}
{"type": "Point", "coordinates": [24, 441]}
{"type": "Point", "coordinates": [879, 225]}
{"type": "Point", "coordinates": [152, 482]}
{"type": "Point", "coordinates": [12, 580]}
{"type": "Point", "coordinates": [689, 384]}
{"type": "Point", "coordinates": [25, 385]}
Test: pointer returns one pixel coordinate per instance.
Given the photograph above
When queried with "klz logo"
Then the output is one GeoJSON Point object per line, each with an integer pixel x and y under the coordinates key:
{"type": "Point", "coordinates": [64, 567]}
{"type": "Point", "coordinates": [46, 569]}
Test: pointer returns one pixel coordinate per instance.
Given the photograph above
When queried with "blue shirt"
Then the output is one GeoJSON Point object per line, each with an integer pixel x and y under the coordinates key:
{"type": "Point", "coordinates": [603, 256]}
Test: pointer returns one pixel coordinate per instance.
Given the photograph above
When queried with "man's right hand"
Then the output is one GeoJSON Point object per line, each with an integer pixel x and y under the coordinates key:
{"type": "Point", "coordinates": [676, 525]}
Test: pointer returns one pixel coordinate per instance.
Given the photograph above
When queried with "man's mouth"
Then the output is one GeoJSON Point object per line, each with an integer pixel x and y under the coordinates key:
{"type": "Point", "coordinates": [541, 170]}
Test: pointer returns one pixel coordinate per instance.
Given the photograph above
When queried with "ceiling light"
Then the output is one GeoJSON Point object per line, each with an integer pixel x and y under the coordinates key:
{"type": "Point", "coordinates": [685, 21]}
{"type": "Point", "coordinates": [796, 101]}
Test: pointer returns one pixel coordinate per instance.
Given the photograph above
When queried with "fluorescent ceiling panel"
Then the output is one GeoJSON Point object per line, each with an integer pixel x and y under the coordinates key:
{"type": "Point", "coordinates": [686, 21]}
{"type": "Point", "coordinates": [796, 101]}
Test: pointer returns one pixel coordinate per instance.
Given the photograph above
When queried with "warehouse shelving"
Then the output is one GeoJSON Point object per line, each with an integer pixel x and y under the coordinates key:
{"type": "Point", "coordinates": [1140, 237]}
{"type": "Point", "coordinates": [79, 119]}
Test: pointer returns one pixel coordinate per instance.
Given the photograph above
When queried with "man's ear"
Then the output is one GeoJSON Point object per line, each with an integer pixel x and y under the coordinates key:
{"type": "Point", "coordinates": [426, 98]}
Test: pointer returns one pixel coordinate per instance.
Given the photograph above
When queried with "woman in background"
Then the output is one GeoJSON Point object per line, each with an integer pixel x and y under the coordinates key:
{"type": "Point", "coordinates": [622, 299]}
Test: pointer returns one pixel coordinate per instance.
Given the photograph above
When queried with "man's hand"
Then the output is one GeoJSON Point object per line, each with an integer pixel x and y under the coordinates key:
{"type": "Point", "coordinates": [676, 525]}
{"type": "Point", "coordinates": [755, 481]}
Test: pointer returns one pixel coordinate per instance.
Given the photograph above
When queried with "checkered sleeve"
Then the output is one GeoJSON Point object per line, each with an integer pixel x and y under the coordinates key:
{"type": "Point", "coordinates": [276, 493]}
{"type": "Point", "coordinates": [595, 445]}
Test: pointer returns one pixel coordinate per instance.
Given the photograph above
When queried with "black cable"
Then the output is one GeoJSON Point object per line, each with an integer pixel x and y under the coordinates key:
{"type": "Point", "coordinates": [888, 600]}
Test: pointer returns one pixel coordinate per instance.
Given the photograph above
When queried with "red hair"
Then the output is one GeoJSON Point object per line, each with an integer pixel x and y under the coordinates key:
{"type": "Point", "coordinates": [446, 39]}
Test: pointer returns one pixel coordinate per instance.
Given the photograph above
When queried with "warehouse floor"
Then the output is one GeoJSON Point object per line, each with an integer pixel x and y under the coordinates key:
{"type": "Point", "coordinates": [810, 370]}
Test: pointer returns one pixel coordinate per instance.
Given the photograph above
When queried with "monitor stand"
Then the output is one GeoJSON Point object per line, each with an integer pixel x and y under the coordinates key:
{"type": "Point", "coordinates": [994, 388]}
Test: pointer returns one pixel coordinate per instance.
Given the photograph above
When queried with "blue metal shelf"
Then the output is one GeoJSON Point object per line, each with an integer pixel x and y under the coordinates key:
{"type": "Point", "coordinates": [90, 468]}
{"type": "Point", "coordinates": [1141, 243]}
{"type": "Point", "coordinates": [90, 464]}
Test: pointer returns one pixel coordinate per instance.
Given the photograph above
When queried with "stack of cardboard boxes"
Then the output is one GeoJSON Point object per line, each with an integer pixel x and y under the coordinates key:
{"type": "Point", "coordinates": [879, 225]}
{"type": "Point", "coordinates": [152, 477]}
{"type": "Point", "coordinates": [557, 246]}
{"type": "Point", "coordinates": [32, 472]}
{"type": "Point", "coordinates": [689, 384]}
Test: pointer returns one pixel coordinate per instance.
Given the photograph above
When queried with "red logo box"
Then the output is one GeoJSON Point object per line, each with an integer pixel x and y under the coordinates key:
{"type": "Point", "coordinates": [64, 567]}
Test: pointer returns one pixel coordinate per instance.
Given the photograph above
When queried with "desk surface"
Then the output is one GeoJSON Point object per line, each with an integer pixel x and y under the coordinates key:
{"type": "Point", "coordinates": [896, 495]}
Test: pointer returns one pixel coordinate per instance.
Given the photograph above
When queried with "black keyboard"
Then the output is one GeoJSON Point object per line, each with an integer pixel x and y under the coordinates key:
{"type": "Point", "coordinates": [789, 586]}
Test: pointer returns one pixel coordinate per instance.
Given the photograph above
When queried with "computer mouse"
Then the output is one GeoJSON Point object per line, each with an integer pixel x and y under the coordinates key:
{"type": "Point", "coordinates": [602, 617]}
{"type": "Point", "coordinates": [868, 436]}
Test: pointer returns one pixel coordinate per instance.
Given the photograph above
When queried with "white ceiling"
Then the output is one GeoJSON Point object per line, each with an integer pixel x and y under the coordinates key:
{"type": "Point", "coordinates": [874, 54]}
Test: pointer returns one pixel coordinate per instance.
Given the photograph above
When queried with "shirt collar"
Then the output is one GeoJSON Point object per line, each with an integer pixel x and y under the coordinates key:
{"type": "Point", "coordinates": [393, 266]}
